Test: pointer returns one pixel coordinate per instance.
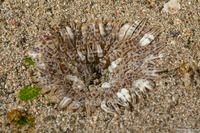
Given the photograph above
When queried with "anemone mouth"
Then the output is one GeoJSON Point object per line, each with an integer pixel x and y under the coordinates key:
{"type": "Point", "coordinates": [107, 65]}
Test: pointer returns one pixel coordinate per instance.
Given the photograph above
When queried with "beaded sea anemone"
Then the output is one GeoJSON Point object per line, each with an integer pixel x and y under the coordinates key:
{"type": "Point", "coordinates": [107, 65]}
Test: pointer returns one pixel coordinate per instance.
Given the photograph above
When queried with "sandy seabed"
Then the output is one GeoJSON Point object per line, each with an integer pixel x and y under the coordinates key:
{"type": "Point", "coordinates": [174, 105]}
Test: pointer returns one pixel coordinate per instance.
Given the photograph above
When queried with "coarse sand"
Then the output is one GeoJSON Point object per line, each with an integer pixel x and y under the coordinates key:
{"type": "Point", "coordinates": [174, 105]}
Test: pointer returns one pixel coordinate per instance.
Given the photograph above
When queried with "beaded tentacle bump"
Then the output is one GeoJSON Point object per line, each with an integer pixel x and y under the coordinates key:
{"type": "Point", "coordinates": [108, 65]}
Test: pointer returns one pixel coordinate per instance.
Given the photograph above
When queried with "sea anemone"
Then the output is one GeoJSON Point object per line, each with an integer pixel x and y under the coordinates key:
{"type": "Point", "coordinates": [90, 65]}
{"type": "Point", "coordinates": [172, 6]}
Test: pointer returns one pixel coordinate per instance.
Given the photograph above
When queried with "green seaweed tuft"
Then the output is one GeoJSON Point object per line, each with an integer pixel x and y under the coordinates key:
{"type": "Point", "coordinates": [20, 118]}
{"type": "Point", "coordinates": [28, 93]}
{"type": "Point", "coordinates": [22, 121]}
{"type": "Point", "coordinates": [29, 61]}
